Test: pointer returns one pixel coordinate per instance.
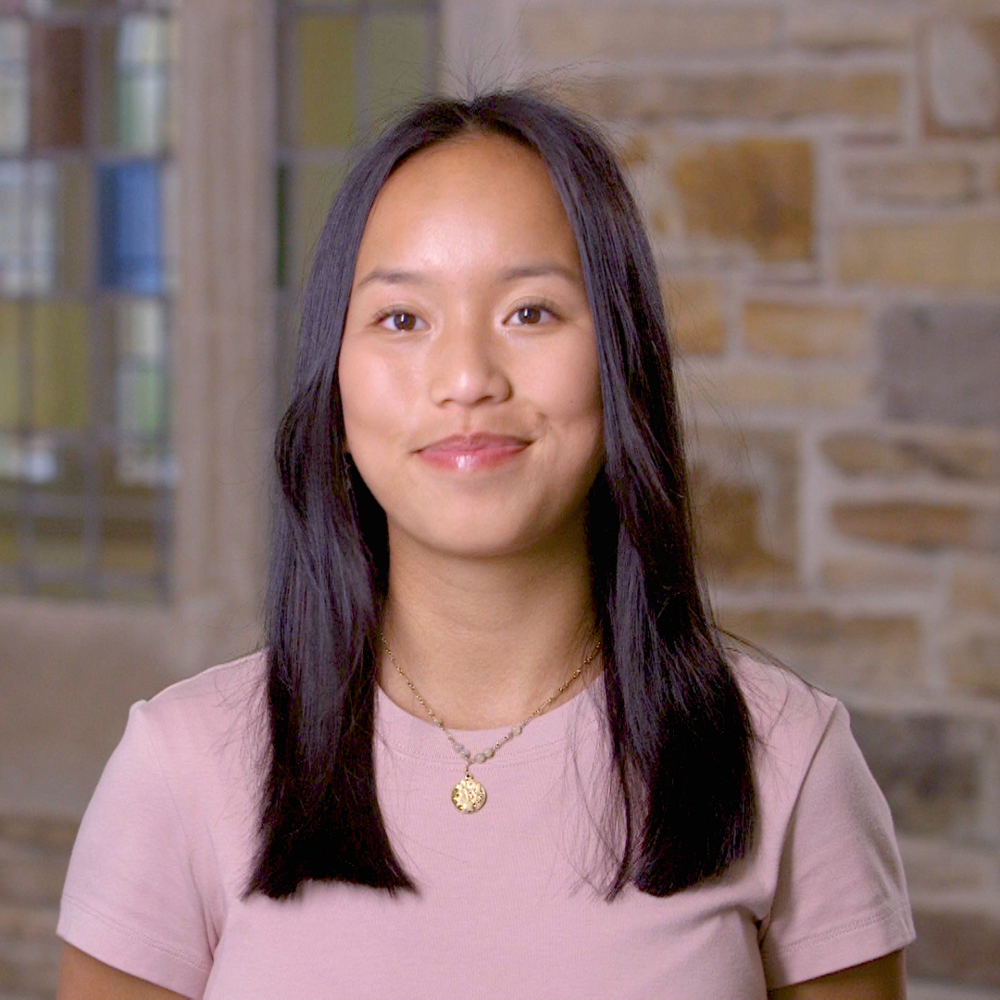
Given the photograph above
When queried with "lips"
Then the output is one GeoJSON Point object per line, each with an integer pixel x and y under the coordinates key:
{"type": "Point", "coordinates": [473, 452]}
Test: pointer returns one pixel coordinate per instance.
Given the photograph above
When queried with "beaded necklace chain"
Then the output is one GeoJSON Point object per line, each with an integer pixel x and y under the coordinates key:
{"type": "Point", "coordinates": [469, 796]}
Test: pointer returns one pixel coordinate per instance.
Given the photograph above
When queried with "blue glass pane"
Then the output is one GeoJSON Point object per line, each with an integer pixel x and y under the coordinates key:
{"type": "Point", "coordinates": [131, 228]}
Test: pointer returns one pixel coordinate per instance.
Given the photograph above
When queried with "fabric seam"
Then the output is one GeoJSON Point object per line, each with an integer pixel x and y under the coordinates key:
{"type": "Point", "coordinates": [899, 910]}
{"type": "Point", "coordinates": [192, 963]}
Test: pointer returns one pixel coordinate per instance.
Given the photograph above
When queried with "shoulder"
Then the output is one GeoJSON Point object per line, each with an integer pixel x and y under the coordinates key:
{"type": "Point", "coordinates": [791, 719]}
{"type": "Point", "coordinates": [211, 722]}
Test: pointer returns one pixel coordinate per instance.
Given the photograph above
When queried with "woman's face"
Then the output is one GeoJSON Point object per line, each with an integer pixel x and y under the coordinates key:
{"type": "Point", "coordinates": [468, 369]}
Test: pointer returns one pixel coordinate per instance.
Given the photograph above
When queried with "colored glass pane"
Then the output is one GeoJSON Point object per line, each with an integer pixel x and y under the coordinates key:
{"type": "Point", "coordinates": [134, 71]}
{"type": "Point", "coordinates": [130, 228]}
{"type": "Point", "coordinates": [10, 366]}
{"type": "Point", "coordinates": [58, 86]}
{"type": "Point", "coordinates": [140, 378]}
{"type": "Point", "coordinates": [59, 542]}
{"type": "Point", "coordinates": [13, 84]}
{"type": "Point", "coordinates": [171, 221]}
{"type": "Point", "coordinates": [27, 226]}
{"type": "Point", "coordinates": [59, 364]}
{"type": "Point", "coordinates": [324, 92]}
{"type": "Point", "coordinates": [129, 545]}
{"type": "Point", "coordinates": [397, 56]}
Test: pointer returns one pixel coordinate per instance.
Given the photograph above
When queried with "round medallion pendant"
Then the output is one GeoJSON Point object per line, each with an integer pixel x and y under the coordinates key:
{"type": "Point", "coordinates": [468, 795]}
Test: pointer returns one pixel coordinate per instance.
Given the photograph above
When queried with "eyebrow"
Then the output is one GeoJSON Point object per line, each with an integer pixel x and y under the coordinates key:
{"type": "Point", "coordinates": [396, 276]}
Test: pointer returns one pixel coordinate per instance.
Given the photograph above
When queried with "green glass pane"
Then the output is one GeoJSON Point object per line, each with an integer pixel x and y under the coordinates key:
{"type": "Point", "coordinates": [140, 378]}
{"type": "Point", "coordinates": [133, 57]}
{"type": "Point", "coordinates": [397, 56]}
{"type": "Point", "coordinates": [59, 542]}
{"type": "Point", "coordinates": [10, 366]}
{"type": "Point", "coordinates": [314, 187]}
{"type": "Point", "coordinates": [60, 393]}
{"type": "Point", "coordinates": [13, 85]}
{"type": "Point", "coordinates": [75, 232]}
{"type": "Point", "coordinates": [323, 61]}
{"type": "Point", "coordinates": [58, 91]}
{"type": "Point", "coordinates": [8, 537]}
{"type": "Point", "coordinates": [28, 195]}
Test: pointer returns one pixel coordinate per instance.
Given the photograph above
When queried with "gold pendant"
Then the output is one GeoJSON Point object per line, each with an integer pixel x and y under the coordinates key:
{"type": "Point", "coordinates": [468, 795]}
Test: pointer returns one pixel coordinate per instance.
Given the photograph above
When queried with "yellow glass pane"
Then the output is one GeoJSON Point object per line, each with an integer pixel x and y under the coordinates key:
{"type": "Point", "coordinates": [397, 54]}
{"type": "Point", "coordinates": [10, 368]}
{"type": "Point", "coordinates": [61, 396]}
{"type": "Point", "coordinates": [8, 538]}
{"type": "Point", "coordinates": [313, 191]}
{"type": "Point", "coordinates": [323, 58]}
{"type": "Point", "coordinates": [75, 236]}
{"type": "Point", "coordinates": [59, 542]}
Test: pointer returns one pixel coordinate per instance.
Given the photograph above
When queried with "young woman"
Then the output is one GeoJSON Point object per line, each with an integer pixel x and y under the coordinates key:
{"type": "Point", "coordinates": [495, 746]}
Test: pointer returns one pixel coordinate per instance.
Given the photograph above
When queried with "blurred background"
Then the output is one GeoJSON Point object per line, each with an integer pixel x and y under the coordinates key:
{"type": "Point", "coordinates": [821, 180]}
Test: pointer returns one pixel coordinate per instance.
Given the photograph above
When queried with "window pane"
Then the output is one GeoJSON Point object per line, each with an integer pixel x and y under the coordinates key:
{"type": "Point", "coordinates": [59, 364]}
{"type": "Point", "coordinates": [27, 227]}
{"type": "Point", "coordinates": [58, 94]}
{"type": "Point", "coordinates": [323, 57]}
{"type": "Point", "coordinates": [141, 408]}
{"type": "Point", "coordinates": [10, 370]}
{"type": "Point", "coordinates": [59, 542]}
{"type": "Point", "coordinates": [397, 54]}
{"type": "Point", "coordinates": [130, 228]}
{"type": "Point", "coordinates": [135, 71]}
{"type": "Point", "coordinates": [13, 85]}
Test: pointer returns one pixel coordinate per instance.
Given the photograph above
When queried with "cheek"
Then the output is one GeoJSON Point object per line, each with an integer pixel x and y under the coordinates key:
{"type": "Point", "coordinates": [372, 394]}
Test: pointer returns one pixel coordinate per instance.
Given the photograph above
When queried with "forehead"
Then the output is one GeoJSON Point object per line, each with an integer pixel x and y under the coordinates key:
{"type": "Point", "coordinates": [478, 194]}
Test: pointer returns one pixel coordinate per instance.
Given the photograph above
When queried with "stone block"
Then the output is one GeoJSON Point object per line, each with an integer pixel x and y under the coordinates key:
{"type": "Point", "coordinates": [881, 572]}
{"type": "Point", "coordinates": [835, 650]}
{"type": "Point", "coordinates": [818, 330]}
{"type": "Point", "coordinates": [745, 504]}
{"type": "Point", "coordinates": [969, 456]}
{"type": "Point", "coordinates": [34, 855]}
{"type": "Point", "coordinates": [758, 192]}
{"type": "Point", "coordinates": [919, 524]}
{"type": "Point", "coordinates": [937, 865]}
{"type": "Point", "coordinates": [695, 309]}
{"type": "Point", "coordinates": [935, 771]}
{"type": "Point", "coordinates": [749, 388]}
{"type": "Point", "coordinates": [961, 78]}
{"type": "Point", "coordinates": [574, 32]}
{"type": "Point", "coordinates": [956, 943]}
{"type": "Point", "coordinates": [975, 586]}
{"type": "Point", "coordinates": [869, 98]}
{"type": "Point", "coordinates": [839, 26]}
{"type": "Point", "coordinates": [973, 663]}
{"type": "Point", "coordinates": [953, 254]}
{"type": "Point", "coordinates": [29, 952]}
{"type": "Point", "coordinates": [942, 362]}
{"type": "Point", "coordinates": [912, 182]}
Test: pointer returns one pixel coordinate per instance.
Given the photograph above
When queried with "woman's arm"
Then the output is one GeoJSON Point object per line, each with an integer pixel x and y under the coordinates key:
{"type": "Point", "coordinates": [82, 977]}
{"type": "Point", "coordinates": [883, 979]}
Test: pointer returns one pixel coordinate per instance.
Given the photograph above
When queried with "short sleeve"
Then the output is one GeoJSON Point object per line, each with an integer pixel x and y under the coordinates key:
{"type": "Point", "coordinates": [131, 898]}
{"type": "Point", "coordinates": [841, 893]}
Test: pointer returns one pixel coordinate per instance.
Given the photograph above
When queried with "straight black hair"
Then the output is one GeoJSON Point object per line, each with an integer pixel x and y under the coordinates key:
{"type": "Point", "coordinates": [679, 731]}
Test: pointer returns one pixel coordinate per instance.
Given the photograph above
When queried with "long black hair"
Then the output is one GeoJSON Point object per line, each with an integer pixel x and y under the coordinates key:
{"type": "Point", "coordinates": [679, 731]}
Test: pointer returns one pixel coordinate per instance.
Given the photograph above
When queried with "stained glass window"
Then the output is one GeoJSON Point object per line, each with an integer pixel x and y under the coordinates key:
{"type": "Point", "coordinates": [87, 275]}
{"type": "Point", "coordinates": [343, 68]}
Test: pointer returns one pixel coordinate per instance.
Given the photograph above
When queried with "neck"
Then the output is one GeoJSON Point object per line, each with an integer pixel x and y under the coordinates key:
{"type": "Point", "coordinates": [486, 641]}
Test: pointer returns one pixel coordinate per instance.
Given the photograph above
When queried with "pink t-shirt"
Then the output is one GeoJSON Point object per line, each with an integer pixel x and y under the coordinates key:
{"type": "Point", "coordinates": [505, 908]}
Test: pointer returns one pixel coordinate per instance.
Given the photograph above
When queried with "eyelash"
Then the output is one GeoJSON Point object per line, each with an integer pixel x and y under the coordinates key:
{"type": "Point", "coordinates": [543, 305]}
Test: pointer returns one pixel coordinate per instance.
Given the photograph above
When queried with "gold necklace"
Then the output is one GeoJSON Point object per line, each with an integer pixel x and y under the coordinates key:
{"type": "Point", "coordinates": [469, 796]}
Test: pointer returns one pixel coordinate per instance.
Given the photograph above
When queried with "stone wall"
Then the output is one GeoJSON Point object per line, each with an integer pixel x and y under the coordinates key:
{"type": "Point", "coordinates": [822, 183]}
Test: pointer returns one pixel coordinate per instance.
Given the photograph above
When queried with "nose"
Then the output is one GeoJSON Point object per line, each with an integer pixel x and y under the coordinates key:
{"type": "Point", "coordinates": [466, 367]}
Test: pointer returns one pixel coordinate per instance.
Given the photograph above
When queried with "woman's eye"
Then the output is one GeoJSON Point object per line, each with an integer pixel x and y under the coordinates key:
{"type": "Point", "coordinates": [401, 321]}
{"type": "Point", "coordinates": [530, 315]}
